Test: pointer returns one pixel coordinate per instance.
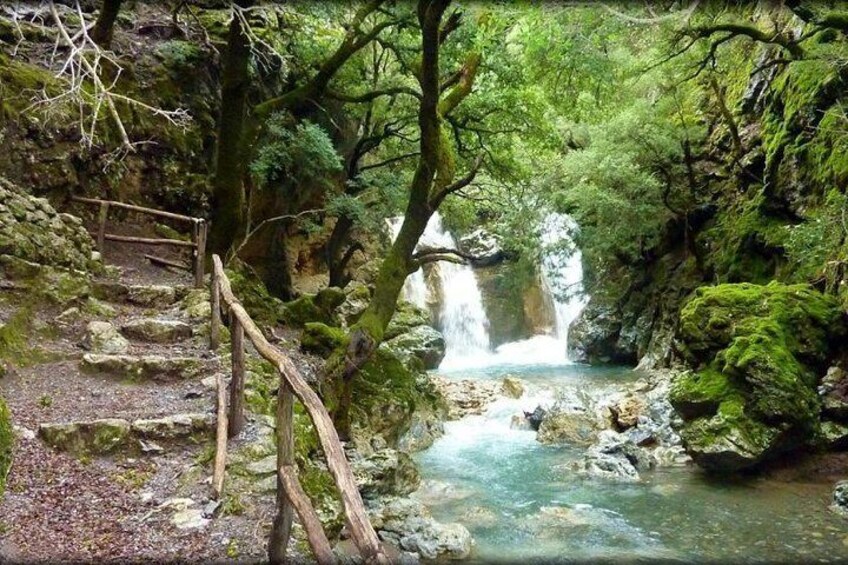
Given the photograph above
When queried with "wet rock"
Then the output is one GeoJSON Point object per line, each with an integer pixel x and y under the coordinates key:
{"type": "Point", "coordinates": [103, 337]}
{"type": "Point", "coordinates": [833, 392]}
{"type": "Point", "coordinates": [626, 411]}
{"type": "Point", "coordinates": [89, 437]}
{"type": "Point", "coordinates": [834, 435]}
{"type": "Point", "coordinates": [605, 466]}
{"type": "Point", "coordinates": [407, 523]}
{"type": "Point", "coordinates": [466, 397]}
{"type": "Point", "coordinates": [535, 418]}
{"type": "Point", "coordinates": [178, 426]}
{"type": "Point", "coordinates": [148, 367]}
{"type": "Point", "coordinates": [422, 343]}
{"type": "Point", "coordinates": [840, 498]}
{"type": "Point", "coordinates": [155, 330]}
{"type": "Point", "coordinates": [512, 387]}
{"type": "Point", "coordinates": [423, 431]}
{"type": "Point", "coordinates": [483, 246]}
{"type": "Point", "coordinates": [385, 472]}
{"type": "Point", "coordinates": [575, 428]}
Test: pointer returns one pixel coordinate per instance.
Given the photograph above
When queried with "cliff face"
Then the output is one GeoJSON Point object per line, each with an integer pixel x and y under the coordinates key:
{"type": "Point", "coordinates": [771, 212]}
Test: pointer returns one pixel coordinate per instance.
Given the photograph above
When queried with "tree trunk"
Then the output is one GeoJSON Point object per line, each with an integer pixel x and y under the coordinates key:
{"type": "Point", "coordinates": [335, 253]}
{"type": "Point", "coordinates": [104, 27]}
{"type": "Point", "coordinates": [228, 198]}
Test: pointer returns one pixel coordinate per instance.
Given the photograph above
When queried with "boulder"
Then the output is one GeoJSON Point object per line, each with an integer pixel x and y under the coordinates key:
{"type": "Point", "coordinates": [466, 397]}
{"type": "Point", "coordinates": [321, 339]}
{"type": "Point", "coordinates": [484, 247]}
{"type": "Point", "coordinates": [594, 336]}
{"type": "Point", "coordinates": [407, 524]}
{"type": "Point", "coordinates": [833, 392]}
{"type": "Point", "coordinates": [754, 353]}
{"type": "Point", "coordinates": [535, 418]}
{"type": "Point", "coordinates": [512, 387]}
{"type": "Point", "coordinates": [156, 330]}
{"type": "Point", "coordinates": [197, 304]}
{"type": "Point", "coordinates": [626, 411]}
{"type": "Point", "coordinates": [357, 298]}
{"type": "Point", "coordinates": [575, 428]}
{"type": "Point", "coordinates": [148, 367]}
{"type": "Point", "coordinates": [385, 472]}
{"type": "Point", "coordinates": [320, 307]}
{"type": "Point", "coordinates": [423, 343]}
{"type": "Point", "coordinates": [103, 337]}
{"type": "Point", "coordinates": [406, 317]}
{"type": "Point", "coordinates": [840, 498]}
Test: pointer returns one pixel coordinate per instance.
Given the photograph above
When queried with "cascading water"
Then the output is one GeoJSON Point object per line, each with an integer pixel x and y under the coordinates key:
{"type": "Point", "coordinates": [462, 318]}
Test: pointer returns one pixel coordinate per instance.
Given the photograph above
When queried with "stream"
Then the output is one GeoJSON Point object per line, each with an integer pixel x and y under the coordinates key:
{"type": "Point", "coordinates": [522, 501]}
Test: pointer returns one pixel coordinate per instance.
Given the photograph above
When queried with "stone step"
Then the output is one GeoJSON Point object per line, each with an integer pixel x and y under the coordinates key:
{"type": "Point", "coordinates": [155, 330]}
{"type": "Point", "coordinates": [148, 367]}
{"type": "Point", "coordinates": [113, 435]}
{"type": "Point", "coordinates": [152, 296]}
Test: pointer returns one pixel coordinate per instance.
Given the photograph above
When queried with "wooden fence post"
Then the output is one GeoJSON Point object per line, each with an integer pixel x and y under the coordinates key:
{"type": "Point", "coordinates": [220, 440]}
{"type": "Point", "coordinates": [237, 382]}
{"type": "Point", "coordinates": [101, 228]}
{"type": "Point", "coordinates": [215, 323]}
{"type": "Point", "coordinates": [200, 252]}
{"type": "Point", "coordinates": [281, 530]}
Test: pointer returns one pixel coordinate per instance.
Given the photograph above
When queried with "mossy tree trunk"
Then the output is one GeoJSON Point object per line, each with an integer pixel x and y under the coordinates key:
{"type": "Point", "coordinates": [433, 180]}
{"type": "Point", "coordinates": [228, 198]}
{"type": "Point", "coordinates": [104, 27]}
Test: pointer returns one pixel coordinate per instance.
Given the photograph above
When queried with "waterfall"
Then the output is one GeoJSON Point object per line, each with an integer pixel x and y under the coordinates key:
{"type": "Point", "coordinates": [462, 319]}
{"type": "Point", "coordinates": [562, 273]}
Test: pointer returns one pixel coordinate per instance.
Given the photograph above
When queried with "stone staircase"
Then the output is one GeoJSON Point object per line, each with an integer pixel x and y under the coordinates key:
{"type": "Point", "coordinates": [148, 368]}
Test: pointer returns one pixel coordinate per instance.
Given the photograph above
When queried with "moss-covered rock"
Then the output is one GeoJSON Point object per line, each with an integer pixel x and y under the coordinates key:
{"type": "Point", "coordinates": [406, 316]}
{"type": "Point", "coordinates": [756, 354]}
{"type": "Point", "coordinates": [32, 230]}
{"type": "Point", "coordinates": [320, 307]}
{"type": "Point", "coordinates": [321, 339]}
{"type": "Point", "coordinates": [6, 443]}
{"type": "Point", "coordinates": [421, 344]}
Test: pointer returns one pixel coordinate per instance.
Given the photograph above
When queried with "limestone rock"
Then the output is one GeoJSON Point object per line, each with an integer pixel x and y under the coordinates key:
{"type": "Point", "coordinates": [320, 307]}
{"type": "Point", "coordinates": [422, 432]}
{"type": "Point", "coordinates": [575, 428]}
{"type": "Point", "coordinates": [265, 466]}
{"type": "Point", "coordinates": [357, 297]}
{"type": "Point", "coordinates": [103, 337]}
{"type": "Point", "coordinates": [153, 296]}
{"type": "Point", "coordinates": [156, 330]}
{"type": "Point", "coordinates": [466, 397]}
{"type": "Point", "coordinates": [833, 392]}
{"type": "Point", "coordinates": [512, 387]}
{"type": "Point", "coordinates": [626, 411]}
{"type": "Point", "coordinates": [196, 304]}
{"type": "Point", "coordinates": [484, 246]}
{"type": "Point", "coordinates": [95, 437]}
{"type": "Point", "coordinates": [385, 472]}
{"type": "Point", "coordinates": [407, 524]}
{"type": "Point", "coordinates": [174, 427]}
{"type": "Point", "coordinates": [422, 343]}
{"type": "Point", "coordinates": [32, 230]}
{"type": "Point", "coordinates": [754, 350]}
{"type": "Point", "coordinates": [406, 317]}
{"type": "Point", "coordinates": [148, 367]}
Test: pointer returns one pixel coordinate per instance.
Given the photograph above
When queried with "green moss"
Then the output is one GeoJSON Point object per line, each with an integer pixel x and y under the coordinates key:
{"type": "Point", "coordinates": [321, 339]}
{"type": "Point", "coordinates": [320, 307]}
{"type": "Point", "coordinates": [254, 296]}
{"type": "Point", "coordinates": [7, 440]}
{"type": "Point", "coordinates": [758, 351]}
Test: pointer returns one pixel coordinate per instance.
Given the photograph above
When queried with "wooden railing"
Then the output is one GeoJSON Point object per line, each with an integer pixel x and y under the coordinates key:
{"type": "Point", "coordinates": [290, 494]}
{"type": "Point", "coordinates": [198, 234]}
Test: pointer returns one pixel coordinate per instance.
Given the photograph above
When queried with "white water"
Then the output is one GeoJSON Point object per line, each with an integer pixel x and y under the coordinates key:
{"type": "Point", "coordinates": [463, 319]}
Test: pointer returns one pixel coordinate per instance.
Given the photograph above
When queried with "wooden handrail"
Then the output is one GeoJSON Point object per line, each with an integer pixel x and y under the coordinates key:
{"type": "Point", "coordinates": [198, 235]}
{"type": "Point", "coordinates": [362, 532]}
{"type": "Point", "coordinates": [134, 208]}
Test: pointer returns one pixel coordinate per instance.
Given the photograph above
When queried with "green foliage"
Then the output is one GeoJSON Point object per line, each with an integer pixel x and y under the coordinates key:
{"type": "Point", "coordinates": [303, 153]}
